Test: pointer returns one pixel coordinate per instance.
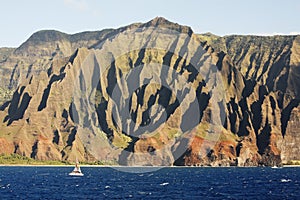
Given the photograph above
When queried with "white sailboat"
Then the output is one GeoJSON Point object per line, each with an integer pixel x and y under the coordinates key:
{"type": "Point", "coordinates": [76, 171]}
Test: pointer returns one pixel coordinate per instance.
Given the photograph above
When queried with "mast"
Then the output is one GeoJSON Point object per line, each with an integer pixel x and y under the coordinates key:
{"type": "Point", "coordinates": [77, 163]}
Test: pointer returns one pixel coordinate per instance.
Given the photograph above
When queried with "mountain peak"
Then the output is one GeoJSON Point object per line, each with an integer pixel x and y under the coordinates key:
{"type": "Point", "coordinates": [47, 36]}
{"type": "Point", "coordinates": [159, 20]}
{"type": "Point", "coordinates": [164, 23]}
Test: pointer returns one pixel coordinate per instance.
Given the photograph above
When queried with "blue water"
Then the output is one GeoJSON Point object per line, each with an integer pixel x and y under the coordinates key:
{"type": "Point", "coordinates": [166, 183]}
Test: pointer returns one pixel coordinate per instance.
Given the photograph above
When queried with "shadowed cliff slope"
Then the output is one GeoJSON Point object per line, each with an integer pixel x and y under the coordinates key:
{"type": "Point", "coordinates": [154, 94]}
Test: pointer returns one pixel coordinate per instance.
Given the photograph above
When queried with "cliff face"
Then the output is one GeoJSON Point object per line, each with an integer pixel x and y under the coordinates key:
{"type": "Point", "coordinates": [5, 52]}
{"type": "Point", "coordinates": [36, 54]}
{"type": "Point", "coordinates": [270, 67]}
{"type": "Point", "coordinates": [156, 94]}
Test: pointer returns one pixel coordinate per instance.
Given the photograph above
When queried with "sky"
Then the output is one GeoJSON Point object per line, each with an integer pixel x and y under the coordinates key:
{"type": "Point", "coordinates": [20, 19]}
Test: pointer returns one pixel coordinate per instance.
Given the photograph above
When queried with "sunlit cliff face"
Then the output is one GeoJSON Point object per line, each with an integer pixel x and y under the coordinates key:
{"type": "Point", "coordinates": [155, 94]}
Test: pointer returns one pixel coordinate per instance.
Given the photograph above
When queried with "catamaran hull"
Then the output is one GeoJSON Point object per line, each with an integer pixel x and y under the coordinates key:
{"type": "Point", "coordinates": [76, 174]}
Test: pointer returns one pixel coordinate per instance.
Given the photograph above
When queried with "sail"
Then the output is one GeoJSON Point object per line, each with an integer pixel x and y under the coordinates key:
{"type": "Point", "coordinates": [76, 171]}
{"type": "Point", "coordinates": [76, 168]}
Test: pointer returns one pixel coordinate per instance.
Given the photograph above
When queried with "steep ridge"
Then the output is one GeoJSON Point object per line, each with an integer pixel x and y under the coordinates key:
{"type": "Point", "coordinates": [270, 62]}
{"type": "Point", "coordinates": [157, 94]}
{"type": "Point", "coordinates": [263, 59]}
{"type": "Point", "coordinates": [36, 54]}
{"type": "Point", "coordinates": [5, 94]}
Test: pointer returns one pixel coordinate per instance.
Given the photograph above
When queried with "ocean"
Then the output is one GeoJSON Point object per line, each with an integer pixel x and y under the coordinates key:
{"type": "Point", "coordinates": [166, 183]}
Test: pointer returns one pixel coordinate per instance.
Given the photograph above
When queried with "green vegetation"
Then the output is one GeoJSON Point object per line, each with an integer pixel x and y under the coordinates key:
{"type": "Point", "coordinates": [16, 159]}
{"type": "Point", "coordinates": [101, 162]}
{"type": "Point", "coordinates": [292, 162]}
{"type": "Point", "coordinates": [121, 140]}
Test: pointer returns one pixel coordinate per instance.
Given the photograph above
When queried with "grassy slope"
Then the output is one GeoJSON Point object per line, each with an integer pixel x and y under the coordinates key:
{"type": "Point", "coordinates": [15, 159]}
